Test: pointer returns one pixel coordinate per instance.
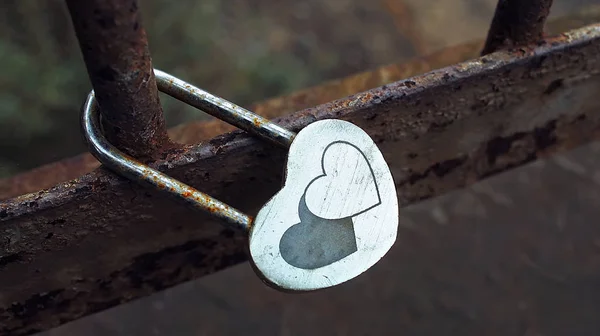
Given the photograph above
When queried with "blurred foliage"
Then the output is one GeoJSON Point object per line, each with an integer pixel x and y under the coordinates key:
{"type": "Point", "coordinates": [41, 76]}
{"type": "Point", "coordinates": [196, 43]}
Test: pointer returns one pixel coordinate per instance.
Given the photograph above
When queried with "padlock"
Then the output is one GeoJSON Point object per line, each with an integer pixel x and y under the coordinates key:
{"type": "Point", "coordinates": [335, 216]}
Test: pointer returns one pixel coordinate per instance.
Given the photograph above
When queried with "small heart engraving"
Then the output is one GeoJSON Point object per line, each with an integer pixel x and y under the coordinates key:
{"type": "Point", "coordinates": [316, 242]}
{"type": "Point", "coordinates": [347, 186]}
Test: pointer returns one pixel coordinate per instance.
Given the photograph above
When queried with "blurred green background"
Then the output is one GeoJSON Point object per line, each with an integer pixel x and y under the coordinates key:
{"type": "Point", "coordinates": [245, 51]}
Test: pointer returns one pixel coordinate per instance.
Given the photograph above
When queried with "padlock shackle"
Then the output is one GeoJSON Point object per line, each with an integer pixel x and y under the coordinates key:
{"type": "Point", "coordinates": [127, 166]}
{"type": "Point", "coordinates": [223, 109]}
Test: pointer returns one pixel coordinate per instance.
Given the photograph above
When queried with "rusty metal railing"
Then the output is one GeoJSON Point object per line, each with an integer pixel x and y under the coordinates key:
{"type": "Point", "coordinates": [517, 23]}
{"type": "Point", "coordinates": [115, 49]}
{"type": "Point", "coordinates": [99, 241]}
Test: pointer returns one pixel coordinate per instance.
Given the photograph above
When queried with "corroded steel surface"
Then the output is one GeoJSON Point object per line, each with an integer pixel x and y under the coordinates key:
{"type": "Point", "coordinates": [100, 241]}
{"type": "Point", "coordinates": [517, 23]}
{"type": "Point", "coordinates": [115, 49]}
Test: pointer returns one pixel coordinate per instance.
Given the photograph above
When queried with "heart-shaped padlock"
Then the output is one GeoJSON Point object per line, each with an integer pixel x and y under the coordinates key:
{"type": "Point", "coordinates": [334, 218]}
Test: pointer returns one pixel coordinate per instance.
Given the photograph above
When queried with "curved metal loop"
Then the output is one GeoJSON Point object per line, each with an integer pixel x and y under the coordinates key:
{"type": "Point", "coordinates": [223, 109]}
{"type": "Point", "coordinates": [127, 166]}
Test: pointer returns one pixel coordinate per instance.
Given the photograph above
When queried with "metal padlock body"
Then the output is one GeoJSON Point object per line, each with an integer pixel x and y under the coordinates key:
{"type": "Point", "coordinates": [334, 218]}
{"type": "Point", "coordinates": [336, 215]}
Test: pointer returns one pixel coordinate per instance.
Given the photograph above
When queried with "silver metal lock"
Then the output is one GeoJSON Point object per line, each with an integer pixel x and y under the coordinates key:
{"type": "Point", "coordinates": [335, 216]}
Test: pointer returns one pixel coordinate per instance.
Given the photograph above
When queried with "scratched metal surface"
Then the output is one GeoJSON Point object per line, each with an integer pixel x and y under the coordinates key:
{"type": "Point", "coordinates": [466, 263]}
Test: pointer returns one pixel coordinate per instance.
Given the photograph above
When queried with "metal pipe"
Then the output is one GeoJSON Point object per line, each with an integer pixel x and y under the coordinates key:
{"type": "Point", "coordinates": [517, 23]}
{"type": "Point", "coordinates": [115, 50]}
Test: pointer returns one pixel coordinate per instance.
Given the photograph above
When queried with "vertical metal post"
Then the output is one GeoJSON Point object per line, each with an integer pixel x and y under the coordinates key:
{"type": "Point", "coordinates": [115, 50]}
{"type": "Point", "coordinates": [516, 23]}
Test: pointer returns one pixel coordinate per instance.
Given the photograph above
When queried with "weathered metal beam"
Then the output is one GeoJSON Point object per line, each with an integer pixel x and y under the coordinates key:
{"type": "Point", "coordinates": [517, 23]}
{"type": "Point", "coordinates": [52, 174]}
{"type": "Point", "coordinates": [115, 49]}
{"type": "Point", "coordinates": [99, 241]}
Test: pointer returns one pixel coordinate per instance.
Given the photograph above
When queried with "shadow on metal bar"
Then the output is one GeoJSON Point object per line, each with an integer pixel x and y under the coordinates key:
{"type": "Point", "coordinates": [99, 241]}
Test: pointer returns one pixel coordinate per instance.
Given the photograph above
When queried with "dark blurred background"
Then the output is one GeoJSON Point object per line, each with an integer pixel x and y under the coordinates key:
{"type": "Point", "coordinates": [245, 51]}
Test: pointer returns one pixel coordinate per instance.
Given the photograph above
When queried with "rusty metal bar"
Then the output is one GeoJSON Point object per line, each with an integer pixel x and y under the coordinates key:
{"type": "Point", "coordinates": [194, 132]}
{"type": "Point", "coordinates": [517, 23]}
{"type": "Point", "coordinates": [115, 49]}
{"type": "Point", "coordinates": [68, 252]}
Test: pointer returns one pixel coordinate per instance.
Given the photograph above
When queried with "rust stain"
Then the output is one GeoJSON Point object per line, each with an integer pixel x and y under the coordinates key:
{"type": "Point", "coordinates": [258, 122]}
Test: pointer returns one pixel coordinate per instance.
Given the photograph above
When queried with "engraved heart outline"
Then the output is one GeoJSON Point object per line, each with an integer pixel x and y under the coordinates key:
{"type": "Point", "coordinates": [322, 238]}
{"type": "Point", "coordinates": [325, 175]}
{"type": "Point", "coordinates": [376, 230]}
